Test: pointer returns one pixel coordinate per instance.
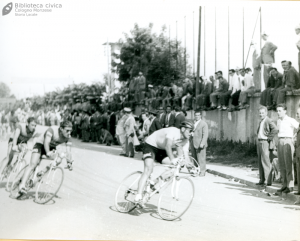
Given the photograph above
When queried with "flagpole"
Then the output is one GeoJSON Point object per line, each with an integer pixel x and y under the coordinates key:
{"type": "Point", "coordinates": [193, 46]}
{"type": "Point", "coordinates": [198, 57]}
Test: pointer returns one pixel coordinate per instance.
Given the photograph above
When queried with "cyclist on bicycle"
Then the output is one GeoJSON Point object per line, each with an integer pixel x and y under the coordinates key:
{"type": "Point", "coordinates": [160, 145]}
{"type": "Point", "coordinates": [45, 145]}
{"type": "Point", "coordinates": [23, 133]}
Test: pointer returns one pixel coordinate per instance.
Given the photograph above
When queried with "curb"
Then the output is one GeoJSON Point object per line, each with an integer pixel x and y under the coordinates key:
{"type": "Point", "coordinates": [288, 196]}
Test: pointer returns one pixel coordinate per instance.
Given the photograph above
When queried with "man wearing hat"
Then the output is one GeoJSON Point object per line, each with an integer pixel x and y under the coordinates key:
{"type": "Point", "coordinates": [154, 122]}
{"type": "Point", "coordinates": [202, 99]}
{"type": "Point", "coordinates": [129, 132]}
{"type": "Point", "coordinates": [267, 58]}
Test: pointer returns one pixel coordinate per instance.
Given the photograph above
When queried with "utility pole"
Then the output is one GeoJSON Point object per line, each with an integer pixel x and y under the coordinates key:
{"type": "Point", "coordinates": [198, 57]}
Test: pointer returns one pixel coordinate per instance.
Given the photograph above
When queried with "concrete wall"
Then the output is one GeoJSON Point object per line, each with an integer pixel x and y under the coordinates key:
{"type": "Point", "coordinates": [240, 125]}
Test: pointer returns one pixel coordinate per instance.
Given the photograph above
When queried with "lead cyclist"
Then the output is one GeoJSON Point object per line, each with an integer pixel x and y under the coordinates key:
{"type": "Point", "coordinates": [160, 145]}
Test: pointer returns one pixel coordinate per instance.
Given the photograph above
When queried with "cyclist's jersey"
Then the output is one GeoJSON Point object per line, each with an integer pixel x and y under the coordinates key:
{"type": "Point", "coordinates": [158, 138]}
{"type": "Point", "coordinates": [56, 138]}
{"type": "Point", "coordinates": [25, 133]}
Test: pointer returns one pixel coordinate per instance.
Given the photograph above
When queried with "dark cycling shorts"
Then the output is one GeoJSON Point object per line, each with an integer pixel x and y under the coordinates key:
{"type": "Point", "coordinates": [39, 148]}
{"type": "Point", "coordinates": [154, 153]}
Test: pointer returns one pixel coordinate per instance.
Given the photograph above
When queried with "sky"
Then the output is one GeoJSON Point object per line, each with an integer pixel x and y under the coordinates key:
{"type": "Point", "coordinates": [54, 49]}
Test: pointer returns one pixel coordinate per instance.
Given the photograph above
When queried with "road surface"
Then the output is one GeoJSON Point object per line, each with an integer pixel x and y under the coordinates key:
{"type": "Point", "coordinates": [84, 208]}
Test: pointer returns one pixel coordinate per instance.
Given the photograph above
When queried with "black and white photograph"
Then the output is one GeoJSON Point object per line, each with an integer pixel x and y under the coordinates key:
{"type": "Point", "coordinates": [150, 120]}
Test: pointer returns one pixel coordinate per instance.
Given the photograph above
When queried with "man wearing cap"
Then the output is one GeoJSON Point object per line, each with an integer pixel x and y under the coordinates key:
{"type": "Point", "coordinates": [154, 122]}
{"type": "Point", "coordinates": [267, 57]}
{"type": "Point", "coordinates": [247, 87]}
{"type": "Point", "coordinates": [221, 87]}
{"type": "Point", "coordinates": [274, 83]}
{"type": "Point", "coordinates": [129, 125]}
{"type": "Point", "coordinates": [202, 100]}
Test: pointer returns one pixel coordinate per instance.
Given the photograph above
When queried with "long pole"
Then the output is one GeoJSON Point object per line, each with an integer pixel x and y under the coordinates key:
{"type": "Point", "coordinates": [204, 40]}
{"type": "Point", "coordinates": [108, 75]}
{"type": "Point", "coordinates": [243, 63]}
{"type": "Point", "coordinates": [193, 46]}
{"type": "Point", "coordinates": [176, 49]}
{"type": "Point", "coordinates": [169, 54]}
{"type": "Point", "coordinates": [253, 34]}
{"type": "Point", "coordinates": [198, 57]}
{"type": "Point", "coordinates": [184, 47]}
{"type": "Point", "coordinates": [228, 44]}
{"type": "Point", "coordinates": [215, 39]}
{"type": "Point", "coordinates": [260, 27]}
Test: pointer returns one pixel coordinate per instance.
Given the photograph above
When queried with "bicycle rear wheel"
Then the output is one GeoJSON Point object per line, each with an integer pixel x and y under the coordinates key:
{"type": "Point", "coordinates": [14, 189]}
{"type": "Point", "coordinates": [16, 169]}
{"type": "Point", "coordinates": [49, 185]}
{"type": "Point", "coordinates": [124, 199]}
{"type": "Point", "coordinates": [176, 198]}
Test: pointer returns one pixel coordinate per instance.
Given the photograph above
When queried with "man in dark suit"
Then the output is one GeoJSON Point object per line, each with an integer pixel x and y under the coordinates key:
{"type": "Point", "coordinates": [274, 82]}
{"type": "Point", "coordinates": [155, 123]}
{"type": "Point", "coordinates": [179, 117]}
{"type": "Point", "coordinates": [265, 133]}
{"type": "Point", "coordinates": [161, 115]}
{"type": "Point", "coordinates": [112, 125]}
{"type": "Point", "coordinates": [202, 99]}
{"type": "Point", "coordinates": [98, 125]}
{"type": "Point", "coordinates": [93, 120]}
{"type": "Point", "coordinates": [199, 141]}
{"type": "Point", "coordinates": [169, 118]}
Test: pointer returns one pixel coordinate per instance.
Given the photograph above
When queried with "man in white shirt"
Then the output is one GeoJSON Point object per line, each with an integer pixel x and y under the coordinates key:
{"type": "Point", "coordinates": [247, 87]}
{"type": "Point", "coordinates": [286, 126]}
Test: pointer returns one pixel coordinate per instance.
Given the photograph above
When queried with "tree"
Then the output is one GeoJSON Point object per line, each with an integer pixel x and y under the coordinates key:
{"type": "Point", "coordinates": [4, 90]}
{"type": "Point", "coordinates": [160, 60]}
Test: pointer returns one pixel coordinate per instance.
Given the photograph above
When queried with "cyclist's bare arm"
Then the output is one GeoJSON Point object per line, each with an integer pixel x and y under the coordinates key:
{"type": "Point", "coordinates": [168, 148]}
{"type": "Point", "coordinates": [15, 139]}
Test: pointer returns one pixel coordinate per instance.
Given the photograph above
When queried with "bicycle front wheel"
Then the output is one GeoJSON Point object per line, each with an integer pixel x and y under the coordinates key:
{"type": "Point", "coordinates": [14, 188]}
{"type": "Point", "coordinates": [49, 185]}
{"type": "Point", "coordinates": [16, 169]}
{"type": "Point", "coordinates": [176, 198]}
{"type": "Point", "coordinates": [124, 199]}
{"type": "Point", "coordinates": [3, 174]}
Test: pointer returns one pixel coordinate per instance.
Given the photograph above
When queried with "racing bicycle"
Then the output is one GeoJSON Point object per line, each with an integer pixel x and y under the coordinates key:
{"type": "Point", "coordinates": [47, 182]}
{"type": "Point", "coordinates": [176, 193]}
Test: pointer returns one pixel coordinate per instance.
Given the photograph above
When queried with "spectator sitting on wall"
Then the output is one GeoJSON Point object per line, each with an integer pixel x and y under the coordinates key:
{"type": "Point", "coordinates": [187, 91]}
{"type": "Point", "coordinates": [290, 81]}
{"type": "Point", "coordinates": [247, 87]}
{"type": "Point", "coordinates": [166, 96]}
{"type": "Point", "coordinates": [274, 83]}
{"type": "Point", "coordinates": [236, 90]}
{"type": "Point", "coordinates": [178, 95]}
{"type": "Point", "coordinates": [202, 100]}
{"type": "Point", "coordinates": [220, 86]}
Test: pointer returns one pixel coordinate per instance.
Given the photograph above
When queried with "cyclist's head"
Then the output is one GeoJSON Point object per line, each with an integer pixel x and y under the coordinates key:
{"type": "Point", "coordinates": [186, 128]}
{"type": "Point", "coordinates": [31, 123]}
{"type": "Point", "coordinates": [66, 128]}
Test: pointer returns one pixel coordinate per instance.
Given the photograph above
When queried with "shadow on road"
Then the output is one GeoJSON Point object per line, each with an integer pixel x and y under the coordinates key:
{"type": "Point", "coordinates": [250, 191]}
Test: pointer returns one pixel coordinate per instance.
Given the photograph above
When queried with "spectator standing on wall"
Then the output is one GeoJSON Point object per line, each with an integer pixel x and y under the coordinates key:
{"type": "Point", "coordinates": [286, 126]}
{"type": "Point", "coordinates": [266, 131]}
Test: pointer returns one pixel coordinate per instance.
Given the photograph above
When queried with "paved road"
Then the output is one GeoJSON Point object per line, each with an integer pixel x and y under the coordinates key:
{"type": "Point", "coordinates": [84, 209]}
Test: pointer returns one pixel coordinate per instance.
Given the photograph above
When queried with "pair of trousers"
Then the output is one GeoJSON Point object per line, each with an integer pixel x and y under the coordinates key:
{"type": "Point", "coordinates": [244, 94]}
{"type": "Point", "coordinates": [213, 98]}
{"type": "Point", "coordinates": [282, 94]}
{"type": "Point", "coordinates": [201, 158]}
{"type": "Point", "coordinates": [285, 157]}
{"type": "Point", "coordinates": [224, 98]}
{"type": "Point", "coordinates": [122, 142]}
{"type": "Point", "coordinates": [264, 164]}
{"type": "Point", "coordinates": [129, 146]}
{"type": "Point", "coordinates": [202, 100]}
{"type": "Point", "coordinates": [235, 98]}
{"type": "Point", "coordinates": [189, 102]}
{"type": "Point", "coordinates": [298, 173]}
